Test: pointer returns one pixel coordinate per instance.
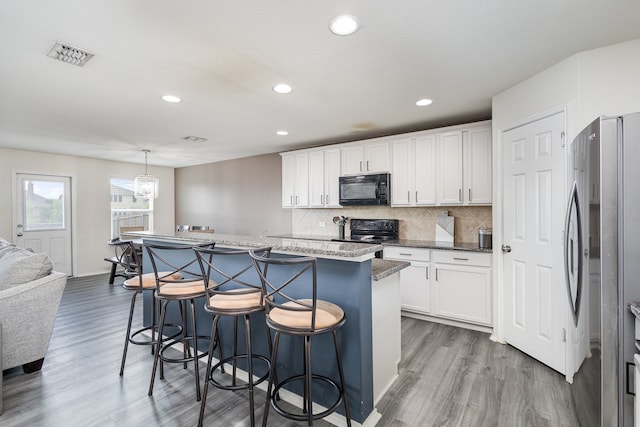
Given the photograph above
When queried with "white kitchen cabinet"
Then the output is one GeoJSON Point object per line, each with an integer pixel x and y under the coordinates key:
{"type": "Point", "coordinates": [324, 171]}
{"type": "Point", "coordinates": [461, 286]}
{"type": "Point", "coordinates": [413, 168]}
{"type": "Point", "coordinates": [477, 166]}
{"type": "Point", "coordinates": [295, 180]}
{"type": "Point", "coordinates": [365, 157]}
{"type": "Point", "coordinates": [414, 280]}
{"type": "Point", "coordinates": [449, 169]}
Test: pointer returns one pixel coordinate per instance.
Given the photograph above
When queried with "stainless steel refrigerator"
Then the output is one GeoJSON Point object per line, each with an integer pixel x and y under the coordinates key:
{"type": "Point", "coordinates": [602, 266]}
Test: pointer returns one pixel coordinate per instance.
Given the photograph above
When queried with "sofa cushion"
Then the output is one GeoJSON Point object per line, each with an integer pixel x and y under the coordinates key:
{"type": "Point", "coordinates": [5, 247]}
{"type": "Point", "coordinates": [22, 266]}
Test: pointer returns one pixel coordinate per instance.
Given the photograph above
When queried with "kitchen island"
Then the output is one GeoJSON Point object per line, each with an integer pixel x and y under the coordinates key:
{"type": "Point", "coordinates": [366, 289]}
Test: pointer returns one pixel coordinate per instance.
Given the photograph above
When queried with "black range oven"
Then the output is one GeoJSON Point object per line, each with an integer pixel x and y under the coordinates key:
{"type": "Point", "coordinates": [376, 231]}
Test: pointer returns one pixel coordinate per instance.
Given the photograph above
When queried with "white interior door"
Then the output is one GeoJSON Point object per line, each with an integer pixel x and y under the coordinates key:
{"type": "Point", "coordinates": [42, 217]}
{"type": "Point", "coordinates": [535, 301]}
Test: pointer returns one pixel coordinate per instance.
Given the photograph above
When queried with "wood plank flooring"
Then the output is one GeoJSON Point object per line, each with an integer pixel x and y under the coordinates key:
{"type": "Point", "coordinates": [448, 377]}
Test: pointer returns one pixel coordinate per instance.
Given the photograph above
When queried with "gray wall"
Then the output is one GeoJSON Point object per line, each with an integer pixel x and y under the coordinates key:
{"type": "Point", "coordinates": [241, 196]}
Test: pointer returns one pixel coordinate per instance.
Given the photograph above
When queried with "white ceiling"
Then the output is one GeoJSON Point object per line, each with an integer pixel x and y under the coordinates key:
{"type": "Point", "coordinates": [223, 57]}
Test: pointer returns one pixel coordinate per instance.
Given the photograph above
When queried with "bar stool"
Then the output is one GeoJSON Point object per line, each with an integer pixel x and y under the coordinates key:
{"type": "Point", "coordinates": [237, 294]}
{"type": "Point", "coordinates": [138, 284]}
{"type": "Point", "coordinates": [167, 261]}
{"type": "Point", "coordinates": [307, 318]}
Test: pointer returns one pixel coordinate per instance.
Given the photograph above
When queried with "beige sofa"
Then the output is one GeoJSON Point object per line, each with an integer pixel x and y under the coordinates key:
{"type": "Point", "coordinates": [30, 293]}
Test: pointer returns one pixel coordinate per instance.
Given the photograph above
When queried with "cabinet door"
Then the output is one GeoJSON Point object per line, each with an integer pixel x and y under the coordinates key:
{"type": "Point", "coordinates": [352, 159]}
{"type": "Point", "coordinates": [316, 179]}
{"type": "Point", "coordinates": [425, 170]}
{"type": "Point", "coordinates": [301, 184]}
{"type": "Point", "coordinates": [414, 288]}
{"type": "Point", "coordinates": [449, 191]}
{"type": "Point", "coordinates": [376, 157]}
{"type": "Point", "coordinates": [477, 166]}
{"type": "Point", "coordinates": [403, 175]}
{"type": "Point", "coordinates": [331, 177]}
{"type": "Point", "coordinates": [462, 293]}
{"type": "Point", "coordinates": [288, 181]}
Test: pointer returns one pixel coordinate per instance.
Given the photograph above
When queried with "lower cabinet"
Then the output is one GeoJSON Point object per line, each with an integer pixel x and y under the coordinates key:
{"type": "Point", "coordinates": [449, 284]}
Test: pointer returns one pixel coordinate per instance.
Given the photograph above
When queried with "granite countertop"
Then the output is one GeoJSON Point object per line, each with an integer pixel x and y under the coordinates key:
{"type": "Point", "coordinates": [431, 244]}
{"type": "Point", "coordinates": [428, 244]}
{"type": "Point", "coordinates": [381, 268]}
{"type": "Point", "coordinates": [326, 248]}
{"type": "Point", "coordinates": [635, 308]}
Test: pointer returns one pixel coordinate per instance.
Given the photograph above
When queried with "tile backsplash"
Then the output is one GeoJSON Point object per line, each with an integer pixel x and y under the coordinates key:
{"type": "Point", "coordinates": [415, 223]}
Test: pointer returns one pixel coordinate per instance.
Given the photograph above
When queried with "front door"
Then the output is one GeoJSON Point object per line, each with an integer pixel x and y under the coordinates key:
{"type": "Point", "coordinates": [533, 207]}
{"type": "Point", "coordinates": [42, 217]}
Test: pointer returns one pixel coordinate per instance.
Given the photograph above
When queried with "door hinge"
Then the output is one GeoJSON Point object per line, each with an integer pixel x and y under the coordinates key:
{"type": "Point", "coordinates": [562, 139]}
{"type": "Point", "coordinates": [564, 335]}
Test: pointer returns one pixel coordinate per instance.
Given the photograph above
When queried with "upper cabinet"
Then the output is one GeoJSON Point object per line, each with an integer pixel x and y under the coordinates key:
{"type": "Point", "coordinates": [365, 157]}
{"type": "Point", "coordinates": [295, 180]}
{"type": "Point", "coordinates": [439, 167]}
{"type": "Point", "coordinates": [477, 166]}
{"type": "Point", "coordinates": [414, 173]}
{"type": "Point", "coordinates": [449, 169]}
{"type": "Point", "coordinates": [324, 171]}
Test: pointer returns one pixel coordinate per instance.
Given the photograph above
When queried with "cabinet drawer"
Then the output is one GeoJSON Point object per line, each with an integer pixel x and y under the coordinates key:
{"type": "Point", "coordinates": [462, 258]}
{"type": "Point", "coordinates": [406, 254]}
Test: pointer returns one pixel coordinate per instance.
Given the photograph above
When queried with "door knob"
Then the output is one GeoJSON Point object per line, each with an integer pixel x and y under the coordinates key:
{"type": "Point", "coordinates": [20, 234]}
{"type": "Point", "coordinates": [506, 249]}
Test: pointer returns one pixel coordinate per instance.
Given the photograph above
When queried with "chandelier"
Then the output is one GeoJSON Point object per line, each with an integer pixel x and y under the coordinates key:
{"type": "Point", "coordinates": [146, 186]}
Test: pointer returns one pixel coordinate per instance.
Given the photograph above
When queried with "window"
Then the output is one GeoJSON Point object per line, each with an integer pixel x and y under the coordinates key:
{"type": "Point", "coordinates": [128, 210]}
{"type": "Point", "coordinates": [43, 205]}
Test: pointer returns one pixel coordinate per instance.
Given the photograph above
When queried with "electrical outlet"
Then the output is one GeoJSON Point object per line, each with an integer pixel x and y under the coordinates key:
{"type": "Point", "coordinates": [321, 224]}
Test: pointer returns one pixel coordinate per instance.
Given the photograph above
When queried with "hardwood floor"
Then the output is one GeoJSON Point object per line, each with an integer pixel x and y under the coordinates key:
{"type": "Point", "coordinates": [448, 377]}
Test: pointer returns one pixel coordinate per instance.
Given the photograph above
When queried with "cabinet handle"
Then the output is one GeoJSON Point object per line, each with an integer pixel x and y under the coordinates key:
{"type": "Point", "coordinates": [427, 272]}
{"type": "Point", "coordinates": [408, 196]}
{"type": "Point", "coordinates": [326, 199]}
{"type": "Point", "coordinates": [461, 259]}
{"type": "Point", "coordinates": [403, 254]}
{"type": "Point", "coordinates": [297, 198]}
{"type": "Point", "coordinates": [460, 194]}
{"type": "Point", "coordinates": [291, 200]}
{"type": "Point", "coordinates": [322, 199]}
{"type": "Point", "coordinates": [360, 165]}
{"type": "Point", "coordinates": [416, 197]}
{"type": "Point", "coordinates": [436, 274]}
{"type": "Point", "coordinates": [469, 194]}
{"type": "Point", "coordinates": [367, 165]}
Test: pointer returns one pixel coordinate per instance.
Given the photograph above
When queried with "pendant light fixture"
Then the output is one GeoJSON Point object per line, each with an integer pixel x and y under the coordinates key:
{"type": "Point", "coordinates": [146, 186]}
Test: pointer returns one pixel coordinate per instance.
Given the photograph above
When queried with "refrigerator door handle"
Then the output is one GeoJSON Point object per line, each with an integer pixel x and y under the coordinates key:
{"type": "Point", "coordinates": [569, 251]}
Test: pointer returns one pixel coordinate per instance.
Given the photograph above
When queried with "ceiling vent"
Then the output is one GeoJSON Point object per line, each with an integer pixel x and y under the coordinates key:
{"type": "Point", "coordinates": [69, 54]}
{"type": "Point", "coordinates": [194, 139]}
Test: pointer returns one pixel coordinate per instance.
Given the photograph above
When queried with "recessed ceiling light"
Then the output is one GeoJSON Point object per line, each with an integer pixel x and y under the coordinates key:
{"type": "Point", "coordinates": [344, 25]}
{"type": "Point", "coordinates": [423, 102]}
{"type": "Point", "coordinates": [282, 88]}
{"type": "Point", "coordinates": [282, 133]}
{"type": "Point", "coordinates": [171, 98]}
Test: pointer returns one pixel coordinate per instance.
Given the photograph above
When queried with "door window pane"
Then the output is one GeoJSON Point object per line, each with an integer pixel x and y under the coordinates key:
{"type": "Point", "coordinates": [43, 204]}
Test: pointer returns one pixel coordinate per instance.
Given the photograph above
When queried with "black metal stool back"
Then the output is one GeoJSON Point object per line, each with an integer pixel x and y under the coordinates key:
{"type": "Point", "coordinates": [168, 262]}
{"type": "Point", "coordinates": [233, 289]}
{"type": "Point", "coordinates": [288, 283]}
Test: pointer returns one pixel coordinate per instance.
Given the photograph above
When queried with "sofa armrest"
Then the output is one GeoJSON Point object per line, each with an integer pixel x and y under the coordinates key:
{"type": "Point", "coordinates": [27, 314]}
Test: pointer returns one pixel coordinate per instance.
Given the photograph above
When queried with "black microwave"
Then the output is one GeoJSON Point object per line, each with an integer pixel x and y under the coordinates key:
{"type": "Point", "coordinates": [361, 190]}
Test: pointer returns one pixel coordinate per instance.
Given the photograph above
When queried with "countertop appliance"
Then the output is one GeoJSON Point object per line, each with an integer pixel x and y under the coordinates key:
{"type": "Point", "coordinates": [362, 190]}
{"type": "Point", "coordinates": [372, 231]}
{"type": "Point", "coordinates": [602, 253]}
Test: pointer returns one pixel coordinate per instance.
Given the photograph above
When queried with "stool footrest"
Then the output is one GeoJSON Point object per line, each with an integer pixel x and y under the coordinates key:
{"type": "Point", "coordinates": [148, 340]}
{"type": "Point", "coordinates": [234, 386]}
{"type": "Point", "coordinates": [303, 416]}
{"type": "Point", "coordinates": [189, 358]}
